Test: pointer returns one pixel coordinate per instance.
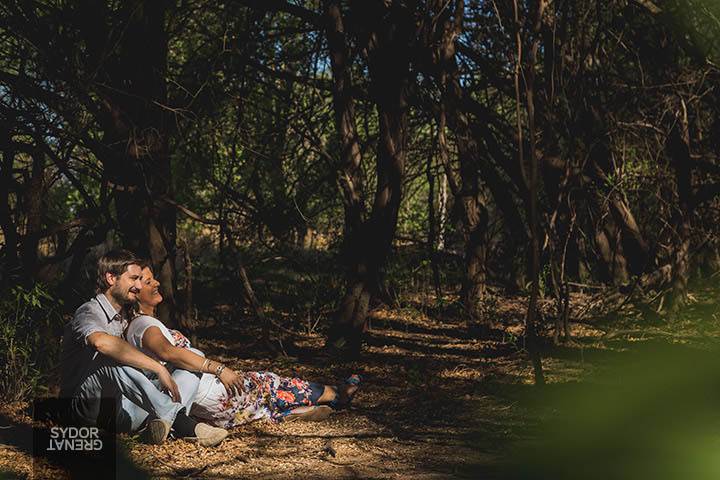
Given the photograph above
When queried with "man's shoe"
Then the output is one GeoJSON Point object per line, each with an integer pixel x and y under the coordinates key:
{"type": "Point", "coordinates": [156, 431]}
{"type": "Point", "coordinates": [207, 435]}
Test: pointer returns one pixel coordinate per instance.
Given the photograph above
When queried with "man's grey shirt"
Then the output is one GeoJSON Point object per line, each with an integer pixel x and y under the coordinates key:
{"type": "Point", "coordinates": [78, 358]}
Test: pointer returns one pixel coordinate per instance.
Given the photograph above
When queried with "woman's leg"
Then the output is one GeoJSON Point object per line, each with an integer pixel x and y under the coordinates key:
{"type": "Point", "coordinates": [286, 395]}
{"type": "Point", "coordinates": [329, 394]}
{"type": "Point", "coordinates": [314, 413]}
{"type": "Point", "coordinates": [342, 394]}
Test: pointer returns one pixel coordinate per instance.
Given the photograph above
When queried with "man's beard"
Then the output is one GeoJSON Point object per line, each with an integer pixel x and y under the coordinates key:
{"type": "Point", "coordinates": [122, 297]}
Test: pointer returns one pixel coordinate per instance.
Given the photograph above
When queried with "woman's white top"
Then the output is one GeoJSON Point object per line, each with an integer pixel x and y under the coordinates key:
{"type": "Point", "coordinates": [134, 336]}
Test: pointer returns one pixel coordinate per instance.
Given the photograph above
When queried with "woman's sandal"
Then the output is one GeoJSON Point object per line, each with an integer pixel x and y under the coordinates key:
{"type": "Point", "coordinates": [343, 398]}
{"type": "Point", "coordinates": [315, 413]}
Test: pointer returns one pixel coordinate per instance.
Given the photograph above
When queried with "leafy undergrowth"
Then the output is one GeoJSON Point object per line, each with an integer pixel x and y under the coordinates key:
{"type": "Point", "coordinates": [436, 402]}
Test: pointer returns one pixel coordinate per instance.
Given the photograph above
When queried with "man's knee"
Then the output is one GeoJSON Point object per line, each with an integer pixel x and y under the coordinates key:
{"type": "Point", "coordinates": [118, 380]}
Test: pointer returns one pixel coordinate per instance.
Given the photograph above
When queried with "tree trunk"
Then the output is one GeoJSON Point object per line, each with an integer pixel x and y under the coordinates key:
{"type": "Point", "coordinates": [349, 178]}
{"type": "Point", "coordinates": [187, 317]}
{"type": "Point", "coordinates": [622, 246]}
{"type": "Point", "coordinates": [11, 267]}
{"type": "Point", "coordinates": [354, 305]}
{"type": "Point", "coordinates": [467, 189]}
{"type": "Point", "coordinates": [136, 159]}
{"type": "Point", "coordinates": [678, 148]}
{"type": "Point", "coordinates": [557, 175]}
{"type": "Point", "coordinates": [475, 225]}
{"type": "Point", "coordinates": [368, 244]}
{"type": "Point", "coordinates": [255, 304]}
{"type": "Point", "coordinates": [432, 224]}
{"type": "Point", "coordinates": [531, 337]}
{"type": "Point", "coordinates": [442, 210]}
{"type": "Point", "coordinates": [614, 265]}
{"type": "Point", "coordinates": [33, 213]}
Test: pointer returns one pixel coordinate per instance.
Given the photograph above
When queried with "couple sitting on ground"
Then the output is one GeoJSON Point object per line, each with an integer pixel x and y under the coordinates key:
{"type": "Point", "coordinates": [115, 348]}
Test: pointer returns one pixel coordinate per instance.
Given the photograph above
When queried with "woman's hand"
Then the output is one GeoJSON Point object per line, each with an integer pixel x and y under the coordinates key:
{"type": "Point", "coordinates": [232, 381]}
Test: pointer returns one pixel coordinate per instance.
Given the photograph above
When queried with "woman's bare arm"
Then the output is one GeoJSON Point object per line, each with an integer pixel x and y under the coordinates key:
{"type": "Point", "coordinates": [155, 341]}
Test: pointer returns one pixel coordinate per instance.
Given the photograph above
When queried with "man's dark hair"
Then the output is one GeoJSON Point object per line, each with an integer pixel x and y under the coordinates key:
{"type": "Point", "coordinates": [115, 262]}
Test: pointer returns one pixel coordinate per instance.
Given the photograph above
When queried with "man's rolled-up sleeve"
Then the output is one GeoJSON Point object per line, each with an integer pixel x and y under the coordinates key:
{"type": "Point", "coordinates": [87, 322]}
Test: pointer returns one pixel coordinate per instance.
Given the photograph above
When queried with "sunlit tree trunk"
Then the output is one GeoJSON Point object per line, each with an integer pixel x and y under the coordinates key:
{"type": "Point", "coordinates": [432, 234]}
{"type": "Point", "coordinates": [442, 210]}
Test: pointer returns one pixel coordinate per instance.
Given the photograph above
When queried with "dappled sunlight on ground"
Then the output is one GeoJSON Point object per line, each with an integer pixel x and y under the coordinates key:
{"type": "Point", "coordinates": [436, 402]}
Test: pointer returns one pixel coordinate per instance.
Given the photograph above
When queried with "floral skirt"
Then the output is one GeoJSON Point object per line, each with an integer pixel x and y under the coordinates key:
{"type": "Point", "coordinates": [264, 395]}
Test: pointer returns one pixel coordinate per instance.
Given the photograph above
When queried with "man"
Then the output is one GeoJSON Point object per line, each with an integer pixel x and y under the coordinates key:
{"type": "Point", "coordinates": [98, 363]}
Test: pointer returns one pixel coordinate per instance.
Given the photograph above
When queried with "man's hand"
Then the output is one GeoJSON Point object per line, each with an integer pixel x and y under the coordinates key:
{"type": "Point", "coordinates": [125, 354]}
{"type": "Point", "coordinates": [232, 381]}
{"type": "Point", "coordinates": [168, 384]}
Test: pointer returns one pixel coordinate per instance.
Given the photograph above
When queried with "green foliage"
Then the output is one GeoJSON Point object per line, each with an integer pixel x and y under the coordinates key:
{"type": "Point", "coordinates": [30, 322]}
{"type": "Point", "coordinates": [655, 416]}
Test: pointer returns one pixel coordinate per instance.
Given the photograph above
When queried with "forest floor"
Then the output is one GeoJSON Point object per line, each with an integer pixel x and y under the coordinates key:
{"type": "Point", "coordinates": [436, 402]}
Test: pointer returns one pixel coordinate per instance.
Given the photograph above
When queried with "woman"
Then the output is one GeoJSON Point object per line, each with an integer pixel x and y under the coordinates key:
{"type": "Point", "coordinates": [227, 398]}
